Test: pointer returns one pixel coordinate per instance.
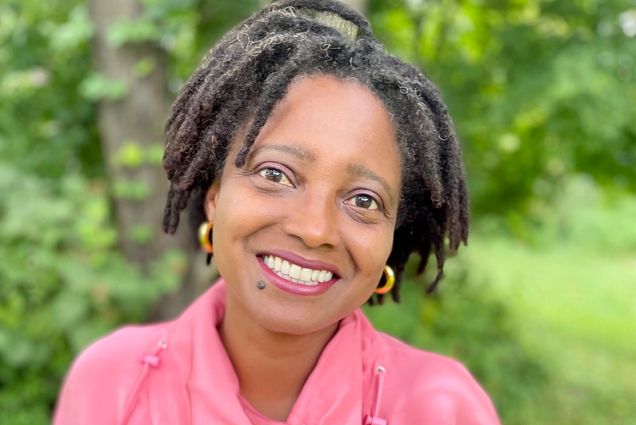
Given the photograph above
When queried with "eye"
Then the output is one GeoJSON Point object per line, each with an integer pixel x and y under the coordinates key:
{"type": "Point", "coordinates": [275, 175]}
{"type": "Point", "coordinates": [364, 201]}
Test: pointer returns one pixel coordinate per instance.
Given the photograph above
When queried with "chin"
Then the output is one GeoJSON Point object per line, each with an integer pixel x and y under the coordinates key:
{"type": "Point", "coordinates": [296, 325]}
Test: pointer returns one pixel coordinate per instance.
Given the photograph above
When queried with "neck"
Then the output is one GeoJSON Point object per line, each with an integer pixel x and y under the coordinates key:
{"type": "Point", "coordinates": [271, 367]}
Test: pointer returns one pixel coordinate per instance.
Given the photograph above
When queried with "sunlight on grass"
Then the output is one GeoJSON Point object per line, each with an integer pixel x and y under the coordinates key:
{"type": "Point", "coordinates": [576, 308]}
{"type": "Point", "coordinates": [580, 293]}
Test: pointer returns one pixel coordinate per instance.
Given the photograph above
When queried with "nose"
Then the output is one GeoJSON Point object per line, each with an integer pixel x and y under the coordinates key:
{"type": "Point", "coordinates": [313, 219]}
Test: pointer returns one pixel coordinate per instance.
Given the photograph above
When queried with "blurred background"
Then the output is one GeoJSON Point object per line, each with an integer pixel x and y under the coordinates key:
{"type": "Point", "coordinates": [541, 306]}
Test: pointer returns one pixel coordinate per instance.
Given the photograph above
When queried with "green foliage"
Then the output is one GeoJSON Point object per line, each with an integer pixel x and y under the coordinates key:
{"type": "Point", "coordinates": [582, 215]}
{"type": "Point", "coordinates": [130, 155]}
{"type": "Point", "coordinates": [538, 89]}
{"type": "Point", "coordinates": [62, 284]}
{"type": "Point", "coordinates": [571, 289]}
{"type": "Point", "coordinates": [133, 155]}
{"type": "Point", "coordinates": [145, 66]}
{"type": "Point", "coordinates": [99, 87]}
{"type": "Point", "coordinates": [46, 126]}
{"type": "Point", "coordinates": [138, 31]}
{"type": "Point", "coordinates": [136, 190]}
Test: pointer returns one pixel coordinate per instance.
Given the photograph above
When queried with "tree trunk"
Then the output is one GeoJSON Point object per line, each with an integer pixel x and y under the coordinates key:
{"type": "Point", "coordinates": [131, 124]}
{"type": "Point", "coordinates": [132, 138]}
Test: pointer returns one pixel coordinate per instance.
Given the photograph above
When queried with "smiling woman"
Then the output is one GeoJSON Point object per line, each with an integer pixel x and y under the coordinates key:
{"type": "Point", "coordinates": [319, 191]}
{"type": "Point", "coordinates": [319, 163]}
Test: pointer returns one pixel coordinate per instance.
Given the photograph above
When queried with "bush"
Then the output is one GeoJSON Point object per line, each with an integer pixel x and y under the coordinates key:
{"type": "Point", "coordinates": [62, 285]}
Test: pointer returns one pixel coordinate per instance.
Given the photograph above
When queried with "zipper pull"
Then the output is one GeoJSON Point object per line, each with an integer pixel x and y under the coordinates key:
{"type": "Point", "coordinates": [375, 419]}
{"type": "Point", "coordinates": [153, 360]}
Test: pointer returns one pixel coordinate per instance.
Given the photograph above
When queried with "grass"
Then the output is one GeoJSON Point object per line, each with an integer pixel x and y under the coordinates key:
{"type": "Point", "coordinates": [575, 308]}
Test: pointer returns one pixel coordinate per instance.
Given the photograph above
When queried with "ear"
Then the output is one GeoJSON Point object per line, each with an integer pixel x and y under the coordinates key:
{"type": "Point", "coordinates": [210, 200]}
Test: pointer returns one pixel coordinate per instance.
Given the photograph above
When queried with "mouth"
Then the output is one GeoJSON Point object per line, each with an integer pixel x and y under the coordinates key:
{"type": "Point", "coordinates": [297, 275]}
{"type": "Point", "coordinates": [295, 272]}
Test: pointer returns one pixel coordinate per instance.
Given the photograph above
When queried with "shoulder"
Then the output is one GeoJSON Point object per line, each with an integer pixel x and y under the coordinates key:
{"type": "Point", "coordinates": [101, 378]}
{"type": "Point", "coordinates": [434, 386]}
{"type": "Point", "coordinates": [125, 342]}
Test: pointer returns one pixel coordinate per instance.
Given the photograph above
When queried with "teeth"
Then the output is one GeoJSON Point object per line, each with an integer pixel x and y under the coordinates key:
{"type": "Point", "coordinates": [295, 273]}
{"type": "Point", "coordinates": [325, 276]}
{"type": "Point", "coordinates": [305, 274]}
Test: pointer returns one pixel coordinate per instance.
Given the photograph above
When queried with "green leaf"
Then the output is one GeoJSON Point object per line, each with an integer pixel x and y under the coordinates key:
{"type": "Point", "coordinates": [145, 66]}
{"type": "Point", "coordinates": [97, 87]}
{"type": "Point", "coordinates": [142, 234]}
{"type": "Point", "coordinates": [154, 154]}
{"type": "Point", "coordinates": [130, 154]}
{"type": "Point", "coordinates": [71, 34]}
{"type": "Point", "coordinates": [126, 32]}
{"type": "Point", "coordinates": [136, 190]}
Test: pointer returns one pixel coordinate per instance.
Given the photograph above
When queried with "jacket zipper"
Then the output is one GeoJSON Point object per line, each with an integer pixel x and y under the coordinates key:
{"type": "Point", "coordinates": [151, 360]}
{"type": "Point", "coordinates": [374, 418]}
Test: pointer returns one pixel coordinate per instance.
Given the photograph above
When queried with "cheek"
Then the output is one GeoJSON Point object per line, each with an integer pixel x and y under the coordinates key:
{"type": "Point", "coordinates": [231, 223]}
{"type": "Point", "coordinates": [240, 215]}
{"type": "Point", "coordinates": [373, 252]}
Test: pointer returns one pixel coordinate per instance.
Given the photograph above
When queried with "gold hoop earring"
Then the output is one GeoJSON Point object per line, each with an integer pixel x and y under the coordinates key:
{"type": "Point", "coordinates": [389, 281]}
{"type": "Point", "coordinates": [205, 237]}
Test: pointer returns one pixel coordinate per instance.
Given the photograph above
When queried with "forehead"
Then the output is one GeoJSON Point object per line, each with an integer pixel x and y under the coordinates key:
{"type": "Point", "coordinates": [321, 109]}
{"type": "Point", "coordinates": [339, 127]}
{"type": "Point", "coordinates": [324, 97]}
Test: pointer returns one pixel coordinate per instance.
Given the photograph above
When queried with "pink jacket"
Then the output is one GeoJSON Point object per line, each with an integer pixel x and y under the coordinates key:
{"type": "Point", "coordinates": [179, 373]}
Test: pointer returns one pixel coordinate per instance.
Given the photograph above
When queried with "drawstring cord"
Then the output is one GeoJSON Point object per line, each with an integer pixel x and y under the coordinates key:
{"type": "Point", "coordinates": [374, 419]}
{"type": "Point", "coordinates": [149, 360]}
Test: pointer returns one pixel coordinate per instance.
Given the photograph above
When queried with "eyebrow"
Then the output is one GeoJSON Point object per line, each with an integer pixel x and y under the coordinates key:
{"type": "Point", "coordinates": [296, 151]}
{"type": "Point", "coordinates": [356, 170]}
{"type": "Point", "coordinates": [361, 171]}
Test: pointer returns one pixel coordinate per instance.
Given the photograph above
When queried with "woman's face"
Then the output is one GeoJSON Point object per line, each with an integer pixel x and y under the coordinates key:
{"type": "Point", "coordinates": [312, 212]}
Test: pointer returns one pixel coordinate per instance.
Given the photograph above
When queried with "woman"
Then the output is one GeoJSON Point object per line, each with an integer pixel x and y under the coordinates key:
{"type": "Point", "coordinates": [318, 163]}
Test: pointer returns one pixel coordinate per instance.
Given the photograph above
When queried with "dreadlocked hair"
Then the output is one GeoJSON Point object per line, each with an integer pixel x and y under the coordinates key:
{"type": "Point", "coordinates": [248, 72]}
